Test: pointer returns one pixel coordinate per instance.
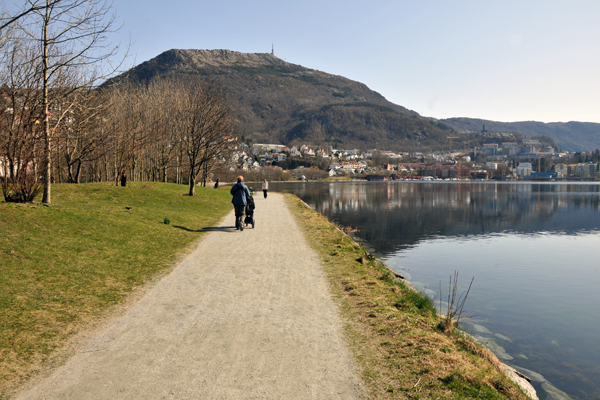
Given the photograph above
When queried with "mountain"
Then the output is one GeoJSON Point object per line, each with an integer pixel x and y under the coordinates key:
{"type": "Point", "coordinates": [572, 136]}
{"type": "Point", "coordinates": [280, 102]}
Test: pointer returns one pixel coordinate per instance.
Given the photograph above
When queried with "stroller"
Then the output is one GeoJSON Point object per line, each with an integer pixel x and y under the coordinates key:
{"type": "Point", "coordinates": [249, 212]}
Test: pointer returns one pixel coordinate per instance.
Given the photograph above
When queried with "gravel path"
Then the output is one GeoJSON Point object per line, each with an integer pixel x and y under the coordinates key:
{"type": "Point", "coordinates": [247, 315]}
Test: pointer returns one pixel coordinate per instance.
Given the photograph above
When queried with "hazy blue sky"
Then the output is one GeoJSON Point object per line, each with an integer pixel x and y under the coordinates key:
{"type": "Point", "coordinates": [499, 60]}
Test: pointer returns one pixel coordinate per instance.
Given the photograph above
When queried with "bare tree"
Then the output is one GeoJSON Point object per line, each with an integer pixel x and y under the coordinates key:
{"type": "Point", "coordinates": [72, 36]}
{"type": "Point", "coordinates": [160, 99]}
{"type": "Point", "coordinates": [204, 123]}
{"type": "Point", "coordinates": [80, 138]}
{"type": "Point", "coordinates": [20, 120]}
{"type": "Point", "coordinates": [6, 21]}
{"type": "Point", "coordinates": [126, 129]}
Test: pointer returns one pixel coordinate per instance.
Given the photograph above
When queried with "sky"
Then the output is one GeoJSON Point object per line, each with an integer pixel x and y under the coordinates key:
{"type": "Point", "coordinates": [499, 60]}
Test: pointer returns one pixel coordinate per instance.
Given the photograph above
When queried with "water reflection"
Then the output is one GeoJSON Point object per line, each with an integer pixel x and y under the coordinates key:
{"type": "Point", "coordinates": [395, 215]}
{"type": "Point", "coordinates": [531, 247]}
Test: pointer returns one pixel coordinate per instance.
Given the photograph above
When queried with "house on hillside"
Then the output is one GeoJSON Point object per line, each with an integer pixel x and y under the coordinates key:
{"type": "Point", "coordinates": [335, 166]}
{"type": "Point", "coordinates": [308, 152]}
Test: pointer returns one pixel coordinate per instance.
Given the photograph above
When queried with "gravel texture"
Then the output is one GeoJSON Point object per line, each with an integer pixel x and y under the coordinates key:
{"type": "Point", "coordinates": [247, 315]}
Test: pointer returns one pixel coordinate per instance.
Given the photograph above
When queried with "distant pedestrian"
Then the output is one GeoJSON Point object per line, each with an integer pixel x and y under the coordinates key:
{"type": "Point", "coordinates": [265, 187]}
{"type": "Point", "coordinates": [217, 184]}
{"type": "Point", "coordinates": [123, 179]}
{"type": "Point", "coordinates": [240, 194]}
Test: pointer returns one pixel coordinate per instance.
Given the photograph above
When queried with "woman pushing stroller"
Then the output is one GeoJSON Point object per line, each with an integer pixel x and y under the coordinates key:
{"type": "Point", "coordinates": [240, 194]}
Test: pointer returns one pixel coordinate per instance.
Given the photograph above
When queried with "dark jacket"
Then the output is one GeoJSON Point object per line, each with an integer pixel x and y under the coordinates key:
{"type": "Point", "coordinates": [240, 193]}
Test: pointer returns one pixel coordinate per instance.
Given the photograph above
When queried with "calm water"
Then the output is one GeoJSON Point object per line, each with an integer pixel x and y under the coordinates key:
{"type": "Point", "coordinates": [532, 248]}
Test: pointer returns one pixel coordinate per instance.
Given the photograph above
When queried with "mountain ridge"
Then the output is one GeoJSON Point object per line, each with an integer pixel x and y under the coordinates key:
{"type": "Point", "coordinates": [572, 135]}
{"type": "Point", "coordinates": [277, 101]}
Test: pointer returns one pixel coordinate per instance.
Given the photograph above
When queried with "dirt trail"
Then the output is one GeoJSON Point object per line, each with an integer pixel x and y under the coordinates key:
{"type": "Point", "coordinates": [247, 315]}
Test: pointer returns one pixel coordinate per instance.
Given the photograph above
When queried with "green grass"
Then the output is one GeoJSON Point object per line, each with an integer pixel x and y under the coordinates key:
{"type": "Point", "coordinates": [392, 330]}
{"type": "Point", "coordinates": [68, 264]}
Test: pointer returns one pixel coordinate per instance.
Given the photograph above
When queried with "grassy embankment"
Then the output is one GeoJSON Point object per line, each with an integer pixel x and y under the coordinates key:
{"type": "Point", "coordinates": [393, 331]}
{"type": "Point", "coordinates": [65, 266]}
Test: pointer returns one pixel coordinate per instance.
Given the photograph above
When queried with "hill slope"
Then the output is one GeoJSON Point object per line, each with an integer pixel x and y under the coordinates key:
{"type": "Point", "coordinates": [573, 136]}
{"type": "Point", "coordinates": [280, 102]}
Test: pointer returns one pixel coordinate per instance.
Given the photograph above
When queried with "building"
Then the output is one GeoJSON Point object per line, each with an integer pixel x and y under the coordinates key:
{"type": "Point", "coordinates": [491, 149]}
{"type": "Point", "coordinates": [452, 171]}
{"type": "Point", "coordinates": [268, 147]}
{"type": "Point", "coordinates": [562, 170]}
{"type": "Point", "coordinates": [524, 169]}
{"type": "Point", "coordinates": [369, 153]}
{"type": "Point", "coordinates": [479, 174]}
{"type": "Point", "coordinates": [585, 170]}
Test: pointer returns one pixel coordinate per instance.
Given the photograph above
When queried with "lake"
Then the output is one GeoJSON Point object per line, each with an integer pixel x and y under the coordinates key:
{"type": "Point", "coordinates": [532, 248]}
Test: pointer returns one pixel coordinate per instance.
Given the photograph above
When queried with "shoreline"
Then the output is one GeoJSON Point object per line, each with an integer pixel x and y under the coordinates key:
{"type": "Point", "coordinates": [518, 378]}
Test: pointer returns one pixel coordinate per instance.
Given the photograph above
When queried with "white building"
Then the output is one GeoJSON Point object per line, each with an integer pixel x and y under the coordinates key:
{"type": "Point", "coordinates": [268, 147]}
{"type": "Point", "coordinates": [369, 153]}
{"type": "Point", "coordinates": [524, 169]}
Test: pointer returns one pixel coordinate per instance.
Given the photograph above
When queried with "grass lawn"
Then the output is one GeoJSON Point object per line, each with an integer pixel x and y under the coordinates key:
{"type": "Point", "coordinates": [66, 265]}
{"type": "Point", "coordinates": [393, 330]}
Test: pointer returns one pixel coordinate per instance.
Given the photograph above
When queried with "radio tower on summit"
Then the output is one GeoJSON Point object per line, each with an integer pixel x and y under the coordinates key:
{"type": "Point", "coordinates": [272, 49]}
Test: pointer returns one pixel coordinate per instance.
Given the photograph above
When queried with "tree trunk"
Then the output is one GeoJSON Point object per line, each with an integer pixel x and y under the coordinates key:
{"type": "Point", "coordinates": [47, 160]}
{"type": "Point", "coordinates": [192, 183]}
{"type": "Point", "coordinates": [70, 173]}
{"type": "Point", "coordinates": [78, 173]}
{"type": "Point", "coordinates": [105, 169]}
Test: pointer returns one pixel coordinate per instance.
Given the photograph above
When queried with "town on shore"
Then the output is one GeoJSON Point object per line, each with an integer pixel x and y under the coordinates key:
{"type": "Point", "coordinates": [527, 160]}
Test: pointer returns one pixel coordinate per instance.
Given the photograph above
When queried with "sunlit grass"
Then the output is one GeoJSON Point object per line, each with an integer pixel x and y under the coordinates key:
{"type": "Point", "coordinates": [64, 265]}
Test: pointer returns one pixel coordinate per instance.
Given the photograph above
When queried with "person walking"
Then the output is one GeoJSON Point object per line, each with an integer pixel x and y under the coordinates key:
{"type": "Point", "coordinates": [240, 194]}
{"type": "Point", "coordinates": [265, 187]}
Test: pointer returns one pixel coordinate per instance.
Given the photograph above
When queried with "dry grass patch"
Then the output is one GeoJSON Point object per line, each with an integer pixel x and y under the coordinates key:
{"type": "Point", "coordinates": [393, 330]}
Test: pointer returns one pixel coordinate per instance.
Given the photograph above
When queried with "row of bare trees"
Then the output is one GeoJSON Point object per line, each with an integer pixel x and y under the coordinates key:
{"type": "Point", "coordinates": [56, 124]}
{"type": "Point", "coordinates": [175, 129]}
